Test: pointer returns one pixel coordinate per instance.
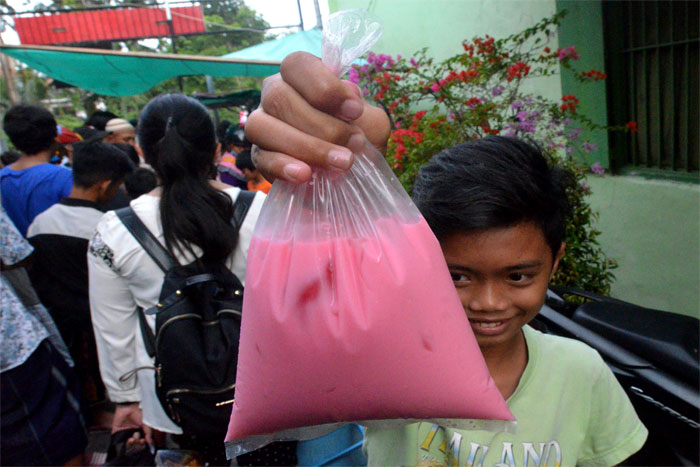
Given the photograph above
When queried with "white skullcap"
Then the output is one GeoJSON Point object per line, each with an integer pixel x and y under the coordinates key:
{"type": "Point", "coordinates": [119, 125]}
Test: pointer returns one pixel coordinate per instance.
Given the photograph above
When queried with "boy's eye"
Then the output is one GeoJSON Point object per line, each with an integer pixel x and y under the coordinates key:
{"type": "Point", "coordinates": [459, 277]}
{"type": "Point", "coordinates": [519, 277]}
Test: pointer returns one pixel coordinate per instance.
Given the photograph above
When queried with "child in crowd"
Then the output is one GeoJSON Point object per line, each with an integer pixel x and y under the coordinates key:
{"type": "Point", "coordinates": [499, 210]}
{"type": "Point", "coordinates": [60, 238]}
{"type": "Point", "coordinates": [233, 143]}
{"type": "Point", "coordinates": [8, 157]}
{"type": "Point", "coordinates": [256, 182]}
{"type": "Point", "coordinates": [31, 185]}
{"type": "Point", "coordinates": [140, 182]}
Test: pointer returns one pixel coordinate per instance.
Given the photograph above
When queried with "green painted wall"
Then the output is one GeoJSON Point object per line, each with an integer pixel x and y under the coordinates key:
{"type": "Point", "coordinates": [652, 228]}
{"type": "Point", "coordinates": [582, 27]}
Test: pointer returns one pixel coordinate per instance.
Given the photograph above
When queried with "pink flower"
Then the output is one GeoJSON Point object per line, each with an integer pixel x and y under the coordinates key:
{"type": "Point", "coordinates": [569, 52]}
{"type": "Point", "coordinates": [596, 168]}
{"type": "Point", "coordinates": [589, 147]}
{"type": "Point", "coordinates": [414, 62]}
{"type": "Point", "coordinates": [435, 87]}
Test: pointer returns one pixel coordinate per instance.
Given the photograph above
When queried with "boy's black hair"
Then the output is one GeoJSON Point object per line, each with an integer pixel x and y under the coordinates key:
{"type": "Point", "coordinates": [244, 160]}
{"type": "Point", "coordinates": [94, 162]}
{"type": "Point", "coordinates": [139, 182]}
{"type": "Point", "coordinates": [130, 151]}
{"type": "Point", "coordinates": [99, 119]}
{"type": "Point", "coordinates": [9, 157]}
{"type": "Point", "coordinates": [31, 129]}
{"type": "Point", "coordinates": [493, 182]}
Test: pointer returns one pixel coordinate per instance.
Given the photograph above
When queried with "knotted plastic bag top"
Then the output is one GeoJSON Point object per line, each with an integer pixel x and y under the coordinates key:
{"type": "Point", "coordinates": [349, 312]}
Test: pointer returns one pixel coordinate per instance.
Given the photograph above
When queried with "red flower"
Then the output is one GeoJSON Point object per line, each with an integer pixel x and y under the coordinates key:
{"type": "Point", "coordinates": [596, 75]}
{"type": "Point", "coordinates": [632, 127]}
{"type": "Point", "coordinates": [419, 115]}
{"type": "Point", "coordinates": [519, 70]}
{"type": "Point", "coordinates": [473, 102]}
{"type": "Point", "coordinates": [570, 103]}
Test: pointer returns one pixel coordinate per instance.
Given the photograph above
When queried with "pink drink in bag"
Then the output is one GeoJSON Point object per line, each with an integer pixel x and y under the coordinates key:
{"type": "Point", "coordinates": [350, 313]}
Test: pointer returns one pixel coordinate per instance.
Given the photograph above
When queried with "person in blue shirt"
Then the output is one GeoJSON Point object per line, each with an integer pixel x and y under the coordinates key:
{"type": "Point", "coordinates": [31, 185]}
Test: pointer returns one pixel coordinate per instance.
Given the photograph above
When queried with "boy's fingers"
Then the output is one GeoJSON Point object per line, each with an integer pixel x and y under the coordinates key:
{"type": "Point", "coordinates": [281, 101]}
{"type": "Point", "coordinates": [375, 124]}
{"type": "Point", "coordinates": [275, 165]}
{"type": "Point", "coordinates": [274, 135]}
{"type": "Point", "coordinates": [148, 434]}
{"type": "Point", "coordinates": [320, 87]}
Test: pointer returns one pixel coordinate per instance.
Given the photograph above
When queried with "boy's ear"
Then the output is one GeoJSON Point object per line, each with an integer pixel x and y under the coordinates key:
{"type": "Point", "coordinates": [557, 257]}
{"type": "Point", "coordinates": [104, 185]}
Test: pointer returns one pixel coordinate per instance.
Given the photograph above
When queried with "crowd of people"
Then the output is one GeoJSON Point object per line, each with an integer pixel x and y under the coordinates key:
{"type": "Point", "coordinates": [496, 206]}
{"type": "Point", "coordinates": [66, 307]}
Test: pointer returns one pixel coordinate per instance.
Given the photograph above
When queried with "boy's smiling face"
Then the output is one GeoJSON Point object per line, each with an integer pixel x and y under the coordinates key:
{"type": "Point", "coordinates": [501, 276]}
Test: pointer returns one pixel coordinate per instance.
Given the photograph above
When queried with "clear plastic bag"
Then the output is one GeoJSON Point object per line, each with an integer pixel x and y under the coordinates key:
{"type": "Point", "coordinates": [350, 314]}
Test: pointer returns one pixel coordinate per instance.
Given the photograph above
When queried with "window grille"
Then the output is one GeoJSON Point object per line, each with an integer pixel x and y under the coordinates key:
{"type": "Point", "coordinates": [651, 50]}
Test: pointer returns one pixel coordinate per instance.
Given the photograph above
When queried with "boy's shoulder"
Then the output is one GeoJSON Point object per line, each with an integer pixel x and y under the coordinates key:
{"type": "Point", "coordinates": [40, 170]}
{"type": "Point", "coordinates": [563, 352]}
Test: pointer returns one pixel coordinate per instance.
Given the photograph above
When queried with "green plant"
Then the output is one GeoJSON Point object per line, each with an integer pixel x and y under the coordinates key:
{"type": "Point", "coordinates": [479, 92]}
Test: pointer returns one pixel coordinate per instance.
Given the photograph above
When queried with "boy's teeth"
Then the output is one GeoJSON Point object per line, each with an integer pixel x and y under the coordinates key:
{"type": "Point", "coordinates": [489, 325]}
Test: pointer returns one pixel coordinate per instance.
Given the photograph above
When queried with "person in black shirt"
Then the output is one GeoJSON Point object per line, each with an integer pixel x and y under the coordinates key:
{"type": "Point", "coordinates": [60, 238]}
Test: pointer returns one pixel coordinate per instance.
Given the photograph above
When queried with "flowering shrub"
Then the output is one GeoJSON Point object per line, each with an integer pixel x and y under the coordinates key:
{"type": "Point", "coordinates": [479, 92]}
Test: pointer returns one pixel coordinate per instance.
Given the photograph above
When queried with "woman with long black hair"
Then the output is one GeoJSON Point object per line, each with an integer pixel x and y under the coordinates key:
{"type": "Point", "coordinates": [188, 213]}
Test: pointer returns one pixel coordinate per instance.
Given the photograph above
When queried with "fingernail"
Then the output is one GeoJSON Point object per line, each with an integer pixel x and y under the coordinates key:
{"type": "Point", "coordinates": [340, 158]}
{"type": "Point", "coordinates": [356, 143]}
{"type": "Point", "coordinates": [292, 171]}
{"type": "Point", "coordinates": [351, 109]}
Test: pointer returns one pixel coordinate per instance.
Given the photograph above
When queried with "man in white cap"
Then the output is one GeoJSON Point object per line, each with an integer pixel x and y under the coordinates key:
{"type": "Point", "coordinates": [120, 131]}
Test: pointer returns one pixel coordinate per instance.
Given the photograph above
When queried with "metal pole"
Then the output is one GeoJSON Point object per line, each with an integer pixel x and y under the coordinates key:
{"type": "Point", "coordinates": [210, 90]}
{"type": "Point", "coordinates": [301, 17]}
{"type": "Point", "coordinates": [7, 73]}
{"type": "Point", "coordinates": [169, 18]}
{"type": "Point", "coordinates": [319, 22]}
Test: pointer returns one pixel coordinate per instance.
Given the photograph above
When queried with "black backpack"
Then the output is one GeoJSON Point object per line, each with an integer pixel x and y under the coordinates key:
{"type": "Point", "coordinates": [198, 322]}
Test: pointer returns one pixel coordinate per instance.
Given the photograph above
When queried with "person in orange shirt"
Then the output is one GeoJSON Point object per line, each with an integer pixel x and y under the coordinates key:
{"type": "Point", "coordinates": [256, 182]}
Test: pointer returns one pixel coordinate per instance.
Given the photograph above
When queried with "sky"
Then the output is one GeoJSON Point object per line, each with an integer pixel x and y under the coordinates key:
{"type": "Point", "coordinates": [275, 12]}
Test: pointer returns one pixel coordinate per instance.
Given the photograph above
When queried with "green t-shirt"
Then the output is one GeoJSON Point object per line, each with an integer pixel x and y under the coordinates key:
{"type": "Point", "coordinates": [570, 410]}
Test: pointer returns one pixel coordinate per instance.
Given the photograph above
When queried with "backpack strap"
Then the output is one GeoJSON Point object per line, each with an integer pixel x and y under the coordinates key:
{"type": "Point", "coordinates": [149, 339]}
{"type": "Point", "coordinates": [146, 239]}
{"type": "Point", "coordinates": [241, 206]}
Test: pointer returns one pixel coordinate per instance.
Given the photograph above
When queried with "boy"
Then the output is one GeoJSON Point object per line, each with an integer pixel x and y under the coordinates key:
{"type": "Point", "coordinates": [31, 185]}
{"type": "Point", "coordinates": [256, 182]}
{"type": "Point", "coordinates": [498, 210]}
{"type": "Point", "coordinates": [60, 238]}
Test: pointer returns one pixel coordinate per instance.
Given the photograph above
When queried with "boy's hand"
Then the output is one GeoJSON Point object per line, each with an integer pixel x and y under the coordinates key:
{"type": "Point", "coordinates": [308, 116]}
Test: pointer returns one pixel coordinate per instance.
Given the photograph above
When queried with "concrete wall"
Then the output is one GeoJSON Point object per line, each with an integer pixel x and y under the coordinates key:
{"type": "Point", "coordinates": [652, 228]}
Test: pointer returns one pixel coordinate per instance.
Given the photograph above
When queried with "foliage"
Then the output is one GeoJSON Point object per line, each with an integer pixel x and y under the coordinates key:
{"type": "Point", "coordinates": [480, 92]}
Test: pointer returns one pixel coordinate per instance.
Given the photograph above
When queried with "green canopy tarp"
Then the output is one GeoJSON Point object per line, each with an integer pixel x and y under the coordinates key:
{"type": "Point", "coordinates": [249, 99]}
{"type": "Point", "coordinates": [113, 73]}
{"type": "Point", "coordinates": [305, 41]}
